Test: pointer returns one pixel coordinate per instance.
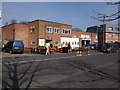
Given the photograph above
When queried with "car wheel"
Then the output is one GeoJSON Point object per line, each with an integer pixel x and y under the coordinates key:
{"type": "Point", "coordinates": [4, 50]}
{"type": "Point", "coordinates": [116, 51]}
{"type": "Point", "coordinates": [11, 52]}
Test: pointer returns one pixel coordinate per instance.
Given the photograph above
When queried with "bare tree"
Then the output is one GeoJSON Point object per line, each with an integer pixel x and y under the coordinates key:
{"type": "Point", "coordinates": [6, 23]}
{"type": "Point", "coordinates": [77, 29]}
{"type": "Point", "coordinates": [13, 21]}
{"type": "Point", "coordinates": [23, 22]}
{"type": "Point", "coordinates": [104, 17]}
{"type": "Point", "coordinates": [17, 74]}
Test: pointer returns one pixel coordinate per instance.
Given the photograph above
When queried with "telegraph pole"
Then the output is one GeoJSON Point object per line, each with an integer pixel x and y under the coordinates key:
{"type": "Point", "coordinates": [103, 30]}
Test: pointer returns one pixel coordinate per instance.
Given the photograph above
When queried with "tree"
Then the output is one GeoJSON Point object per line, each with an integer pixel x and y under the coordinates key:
{"type": "Point", "coordinates": [77, 29]}
{"type": "Point", "coordinates": [6, 23]}
{"type": "Point", "coordinates": [104, 17]}
{"type": "Point", "coordinates": [23, 22]}
{"type": "Point", "coordinates": [13, 21]}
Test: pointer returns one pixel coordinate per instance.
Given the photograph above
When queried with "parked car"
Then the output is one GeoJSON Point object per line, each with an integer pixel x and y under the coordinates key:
{"type": "Point", "coordinates": [93, 46]}
{"type": "Point", "coordinates": [14, 46]}
{"type": "Point", "coordinates": [96, 46]}
{"type": "Point", "coordinates": [110, 48]}
{"type": "Point", "coordinates": [87, 47]}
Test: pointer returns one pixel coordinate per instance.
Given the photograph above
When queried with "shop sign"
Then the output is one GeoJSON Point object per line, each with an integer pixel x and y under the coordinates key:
{"type": "Point", "coordinates": [86, 37]}
{"type": "Point", "coordinates": [41, 42]}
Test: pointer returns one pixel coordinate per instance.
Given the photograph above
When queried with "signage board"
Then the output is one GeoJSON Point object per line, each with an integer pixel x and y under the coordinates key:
{"type": "Point", "coordinates": [41, 42]}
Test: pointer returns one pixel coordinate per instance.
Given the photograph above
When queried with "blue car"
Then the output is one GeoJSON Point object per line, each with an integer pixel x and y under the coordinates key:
{"type": "Point", "coordinates": [14, 47]}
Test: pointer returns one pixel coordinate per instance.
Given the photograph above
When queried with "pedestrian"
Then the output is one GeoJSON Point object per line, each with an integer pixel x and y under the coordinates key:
{"type": "Point", "coordinates": [51, 45]}
{"type": "Point", "coordinates": [69, 47]}
{"type": "Point", "coordinates": [66, 45]}
{"type": "Point", "coordinates": [47, 45]}
{"type": "Point", "coordinates": [51, 48]}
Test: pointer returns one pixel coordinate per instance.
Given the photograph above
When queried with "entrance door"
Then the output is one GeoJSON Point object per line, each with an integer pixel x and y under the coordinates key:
{"type": "Point", "coordinates": [83, 42]}
{"type": "Point", "coordinates": [87, 41]}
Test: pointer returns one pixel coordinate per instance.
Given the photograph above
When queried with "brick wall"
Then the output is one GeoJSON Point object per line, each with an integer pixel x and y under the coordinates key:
{"type": "Point", "coordinates": [15, 32]}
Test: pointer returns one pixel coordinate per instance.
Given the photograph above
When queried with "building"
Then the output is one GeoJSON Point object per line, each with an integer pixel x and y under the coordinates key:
{"type": "Point", "coordinates": [85, 37]}
{"type": "Point", "coordinates": [38, 32]}
{"type": "Point", "coordinates": [107, 33]}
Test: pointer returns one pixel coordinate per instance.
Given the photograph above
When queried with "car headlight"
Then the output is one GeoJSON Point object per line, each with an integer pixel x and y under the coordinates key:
{"type": "Point", "coordinates": [109, 49]}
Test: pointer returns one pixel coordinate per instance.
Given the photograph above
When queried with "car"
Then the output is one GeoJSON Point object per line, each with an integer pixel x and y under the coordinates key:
{"type": "Point", "coordinates": [109, 47]}
{"type": "Point", "coordinates": [93, 46]}
{"type": "Point", "coordinates": [14, 46]}
{"type": "Point", "coordinates": [87, 47]}
{"type": "Point", "coordinates": [96, 46]}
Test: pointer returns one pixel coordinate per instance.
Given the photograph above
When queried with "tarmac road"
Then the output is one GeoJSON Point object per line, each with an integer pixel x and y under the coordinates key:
{"type": "Point", "coordinates": [98, 70]}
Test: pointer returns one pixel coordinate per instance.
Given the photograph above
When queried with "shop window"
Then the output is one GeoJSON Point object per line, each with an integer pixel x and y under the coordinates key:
{"type": "Point", "coordinates": [49, 29]}
{"type": "Point", "coordinates": [32, 29]}
{"type": "Point", "coordinates": [75, 43]}
{"type": "Point", "coordinates": [32, 42]}
{"type": "Point", "coordinates": [72, 43]}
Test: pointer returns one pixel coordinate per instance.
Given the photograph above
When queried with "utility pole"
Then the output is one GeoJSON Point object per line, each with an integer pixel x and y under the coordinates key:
{"type": "Point", "coordinates": [103, 29]}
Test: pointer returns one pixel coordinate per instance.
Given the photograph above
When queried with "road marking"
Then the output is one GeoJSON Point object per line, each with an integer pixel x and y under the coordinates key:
{"type": "Point", "coordinates": [47, 59]}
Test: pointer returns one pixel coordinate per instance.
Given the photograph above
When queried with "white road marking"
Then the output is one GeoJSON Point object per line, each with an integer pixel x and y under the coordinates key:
{"type": "Point", "coordinates": [55, 58]}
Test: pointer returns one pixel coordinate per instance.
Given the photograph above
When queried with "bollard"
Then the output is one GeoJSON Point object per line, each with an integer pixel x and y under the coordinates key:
{"type": "Point", "coordinates": [88, 52]}
{"type": "Point", "coordinates": [79, 53]}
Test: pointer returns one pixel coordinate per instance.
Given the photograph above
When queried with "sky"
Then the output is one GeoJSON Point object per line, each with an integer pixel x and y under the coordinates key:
{"type": "Point", "coordinates": [76, 14]}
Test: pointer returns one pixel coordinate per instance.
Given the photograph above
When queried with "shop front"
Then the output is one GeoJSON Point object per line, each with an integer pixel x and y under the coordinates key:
{"type": "Point", "coordinates": [85, 39]}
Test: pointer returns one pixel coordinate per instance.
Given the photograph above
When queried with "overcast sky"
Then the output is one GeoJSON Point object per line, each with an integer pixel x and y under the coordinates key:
{"type": "Point", "coordinates": [73, 13]}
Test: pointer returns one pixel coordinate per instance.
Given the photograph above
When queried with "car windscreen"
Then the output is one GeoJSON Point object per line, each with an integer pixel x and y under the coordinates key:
{"type": "Point", "coordinates": [108, 45]}
{"type": "Point", "coordinates": [18, 44]}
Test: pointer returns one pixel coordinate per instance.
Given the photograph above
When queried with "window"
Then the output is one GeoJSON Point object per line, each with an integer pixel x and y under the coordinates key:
{"type": "Point", "coordinates": [110, 35]}
{"type": "Point", "coordinates": [110, 28]}
{"type": "Point", "coordinates": [32, 42]}
{"type": "Point", "coordinates": [72, 43]}
{"type": "Point", "coordinates": [75, 43]}
{"type": "Point", "coordinates": [32, 29]}
{"type": "Point", "coordinates": [56, 43]}
{"type": "Point", "coordinates": [66, 31]}
{"type": "Point", "coordinates": [116, 36]}
{"type": "Point", "coordinates": [116, 29]}
{"type": "Point", "coordinates": [56, 30]}
{"type": "Point", "coordinates": [49, 29]}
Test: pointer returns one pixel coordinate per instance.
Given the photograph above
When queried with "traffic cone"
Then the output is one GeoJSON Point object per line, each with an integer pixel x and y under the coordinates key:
{"type": "Point", "coordinates": [79, 53]}
{"type": "Point", "coordinates": [88, 52]}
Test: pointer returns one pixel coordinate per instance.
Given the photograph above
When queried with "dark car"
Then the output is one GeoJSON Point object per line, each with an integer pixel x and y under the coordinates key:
{"type": "Point", "coordinates": [110, 48]}
{"type": "Point", "coordinates": [93, 46]}
{"type": "Point", "coordinates": [96, 46]}
{"type": "Point", "coordinates": [87, 47]}
{"type": "Point", "coordinates": [14, 46]}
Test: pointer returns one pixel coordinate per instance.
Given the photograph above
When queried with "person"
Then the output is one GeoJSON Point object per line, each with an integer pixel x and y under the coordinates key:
{"type": "Point", "coordinates": [51, 48]}
{"type": "Point", "coordinates": [47, 45]}
{"type": "Point", "coordinates": [51, 45]}
{"type": "Point", "coordinates": [66, 44]}
{"type": "Point", "coordinates": [69, 47]}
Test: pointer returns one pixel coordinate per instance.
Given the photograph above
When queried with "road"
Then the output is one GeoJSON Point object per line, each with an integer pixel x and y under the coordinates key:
{"type": "Point", "coordinates": [65, 70]}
